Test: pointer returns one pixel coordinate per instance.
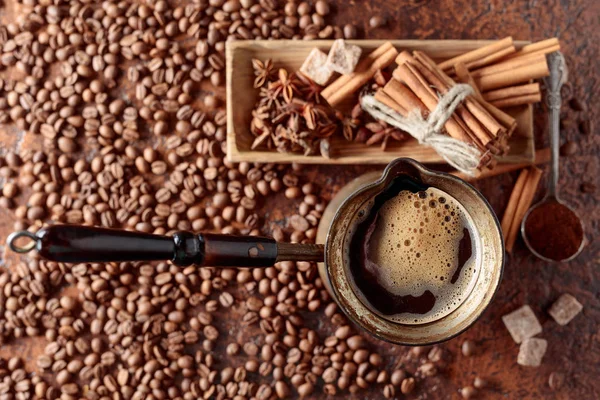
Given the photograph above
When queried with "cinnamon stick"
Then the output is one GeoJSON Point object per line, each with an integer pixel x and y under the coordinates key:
{"type": "Point", "coordinates": [513, 202]}
{"type": "Point", "coordinates": [474, 124]}
{"type": "Point", "coordinates": [542, 156]}
{"type": "Point", "coordinates": [543, 51]}
{"type": "Point", "coordinates": [541, 47]}
{"type": "Point", "coordinates": [383, 97]}
{"type": "Point", "coordinates": [404, 96]}
{"type": "Point", "coordinates": [516, 76]}
{"type": "Point", "coordinates": [464, 76]}
{"type": "Point", "coordinates": [517, 100]}
{"type": "Point", "coordinates": [415, 81]}
{"type": "Point", "coordinates": [475, 115]}
{"type": "Point", "coordinates": [358, 79]}
{"type": "Point", "coordinates": [526, 198]}
{"type": "Point", "coordinates": [513, 91]}
{"type": "Point", "coordinates": [509, 65]}
{"type": "Point", "coordinates": [477, 54]}
{"type": "Point", "coordinates": [492, 58]}
{"type": "Point", "coordinates": [362, 66]}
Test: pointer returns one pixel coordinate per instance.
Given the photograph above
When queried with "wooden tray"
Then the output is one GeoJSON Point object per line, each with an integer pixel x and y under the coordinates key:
{"type": "Point", "coordinates": [241, 98]}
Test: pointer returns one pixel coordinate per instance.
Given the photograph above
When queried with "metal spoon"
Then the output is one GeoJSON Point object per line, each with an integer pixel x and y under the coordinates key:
{"type": "Point", "coordinates": [558, 76]}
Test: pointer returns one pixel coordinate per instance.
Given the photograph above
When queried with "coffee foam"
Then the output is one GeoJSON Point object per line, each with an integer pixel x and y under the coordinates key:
{"type": "Point", "coordinates": [415, 246]}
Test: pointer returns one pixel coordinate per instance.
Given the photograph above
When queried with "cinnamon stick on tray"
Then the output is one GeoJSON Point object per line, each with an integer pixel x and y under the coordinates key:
{"type": "Point", "coordinates": [382, 97]}
{"type": "Point", "coordinates": [514, 95]}
{"type": "Point", "coordinates": [347, 85]}
{"type": "Point", "coordinates": [415, 81]}
{"type": "Point", "coordinates": [403, 96]}
{"type": "Point", "coordinates": [484, 52]}
{"type": "Point", "coordinates": [508, 65]}
{"type": "Point", "coordinates": [509, 123]}
{"type": "Point", "coordinates": [513, 77]}
{"type": "Point", "coordinates": [542, 47]}
{"type": "Point", "coordinates": [481, 122]}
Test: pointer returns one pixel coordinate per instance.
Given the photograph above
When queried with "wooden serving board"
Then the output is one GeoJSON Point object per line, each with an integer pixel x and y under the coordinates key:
{"type": "Point", "coordinates": [290, 54]}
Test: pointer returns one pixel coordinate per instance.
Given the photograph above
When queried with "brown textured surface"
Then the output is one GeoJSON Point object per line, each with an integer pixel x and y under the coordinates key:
{"type": "Point", "coordinates": [573, 350]}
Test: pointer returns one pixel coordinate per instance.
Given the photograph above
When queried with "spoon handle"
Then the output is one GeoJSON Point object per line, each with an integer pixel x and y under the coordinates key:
{"type": "Point", "coordinates": [554, 82]}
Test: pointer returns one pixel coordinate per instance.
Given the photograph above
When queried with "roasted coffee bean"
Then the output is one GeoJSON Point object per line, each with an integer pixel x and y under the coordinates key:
{"type": "Point", "coordinates": [568, 148]}
{"type": "Point", "coordinates": [588, 187]}
{"type": "Point", "coordinates": [350, 32]}
{"type": "Point", "coordinates": [479, 383]}
{"type": "Point", "coordinates": [556, 381]}
{"type": "Point", "coordinates": [407, 385]}
{"type": "Point", "coordinates": [468, 392]}
{"type": "Point", "coordinates": [577, 104]}
{"type": "Point", "coordinates": [376, 21]}
{"type": "Point", "coordinates": [388, 391]}
{"type": "Point", "coordinates": [468, 348]}
{"type": "Point", "coordinates": [585, 127]}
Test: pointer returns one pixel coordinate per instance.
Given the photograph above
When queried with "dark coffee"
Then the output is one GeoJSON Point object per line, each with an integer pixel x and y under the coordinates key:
{"type": "Point", "coordinates": [413, 253]}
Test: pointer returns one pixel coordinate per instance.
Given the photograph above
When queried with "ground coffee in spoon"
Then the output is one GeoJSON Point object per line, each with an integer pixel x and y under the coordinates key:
{"type": "Point", "coordinates": [554, 231]}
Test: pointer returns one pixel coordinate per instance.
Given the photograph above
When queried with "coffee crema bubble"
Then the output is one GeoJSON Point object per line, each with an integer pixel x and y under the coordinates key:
{"type": "Point", "coordinates": [418, 259]}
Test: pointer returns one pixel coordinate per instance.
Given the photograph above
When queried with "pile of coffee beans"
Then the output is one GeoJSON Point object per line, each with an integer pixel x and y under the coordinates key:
{"type": "Point", "coordinates": [121, 101]}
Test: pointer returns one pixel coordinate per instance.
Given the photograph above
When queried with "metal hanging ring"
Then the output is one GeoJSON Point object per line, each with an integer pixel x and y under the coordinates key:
{"type": "Point", "coordinates": [13, 237]}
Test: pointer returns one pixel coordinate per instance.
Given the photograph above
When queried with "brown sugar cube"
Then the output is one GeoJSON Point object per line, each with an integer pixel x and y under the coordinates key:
{"type": "Point", "coordinates": [343, 57]}
{"type": "Point", "coordinates": [531, 352]}
{"type": "Point", "coordinates": [565, 309]}
{"type": "Point", "coordinates": [316, 68]}
{"type": "Point", "coordinates": [522, 324]}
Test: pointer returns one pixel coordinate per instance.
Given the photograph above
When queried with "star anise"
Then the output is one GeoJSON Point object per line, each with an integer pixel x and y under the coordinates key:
{"type": "Point", "coordinates": [262, 139]}
{"type": "Point", "coordinates": [263, 71]}
{"type": "Point", "coordinates": [382, 132]}
{"type": "Point", "coordinates": [310, 116]}
{"type": "Point", "coordinates": [309, 88]}
{"type": "Point", "coordinates": [349, 126]}
{"type": "Point", "coordinates": [287, 85]}
{"type": "Point", "coordinates": [269, 98]}
{"type": "Point", "coordinates": [326, 130]}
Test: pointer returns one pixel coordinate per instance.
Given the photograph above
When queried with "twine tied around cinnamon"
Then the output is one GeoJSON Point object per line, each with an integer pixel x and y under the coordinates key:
{"type": "Point", "coordinates": [462, 156]}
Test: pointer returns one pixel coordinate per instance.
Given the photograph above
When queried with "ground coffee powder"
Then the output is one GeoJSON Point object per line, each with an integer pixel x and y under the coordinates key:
{"type": "Point", "coordinates": [554, 231]}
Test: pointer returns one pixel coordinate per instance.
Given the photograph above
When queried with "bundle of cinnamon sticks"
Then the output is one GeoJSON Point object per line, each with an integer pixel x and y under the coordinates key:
{"type": "Point", "coordinates": [415, 84]}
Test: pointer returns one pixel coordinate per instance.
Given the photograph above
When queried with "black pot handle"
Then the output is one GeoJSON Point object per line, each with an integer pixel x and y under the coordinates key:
{"type": "Point", "coordinates": [81, 244]}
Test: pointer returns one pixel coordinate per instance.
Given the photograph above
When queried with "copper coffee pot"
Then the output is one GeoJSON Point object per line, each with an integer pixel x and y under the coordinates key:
{"type": "Point", "coordinates": [79, 244]}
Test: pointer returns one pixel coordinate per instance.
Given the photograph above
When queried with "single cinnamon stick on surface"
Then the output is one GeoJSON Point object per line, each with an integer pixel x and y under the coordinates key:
{"type": "Point", "coordinates": [477, 54]}
{"type": "Point", "coordinates": [526, 198]}
{"type": "Point", "coordinates": [513, 203]}
{"type": "Point", "coordinates": [362, 66]}
{"type": "Point", "coordinates": [542, 156]}
{"type": "Point", "coordinates": [517, 100]}
{"type": "Point", "coordinates": [515, 76]}
{"type": "Point", "coordinates": [358, 79]}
